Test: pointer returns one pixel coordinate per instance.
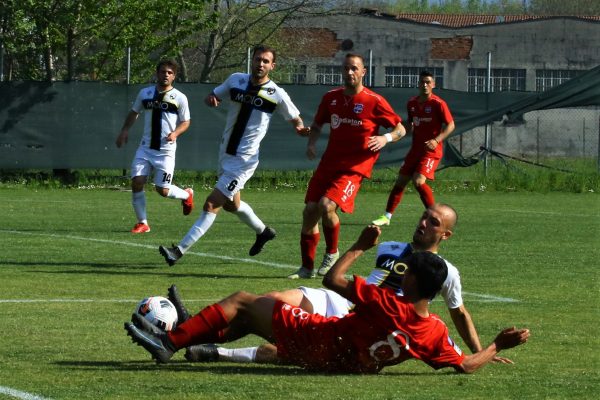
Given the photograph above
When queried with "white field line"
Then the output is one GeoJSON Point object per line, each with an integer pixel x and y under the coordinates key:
{"type": "Point", "coordinates": [20, 395]}
{"type": "Point", "coordinates": [482, 298]}
{"type": "Point", "coordinates": [146, 246]}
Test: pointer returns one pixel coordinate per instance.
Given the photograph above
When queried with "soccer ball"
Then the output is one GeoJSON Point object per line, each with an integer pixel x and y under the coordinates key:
{"type": "Point", "coordinates": [158, 310]}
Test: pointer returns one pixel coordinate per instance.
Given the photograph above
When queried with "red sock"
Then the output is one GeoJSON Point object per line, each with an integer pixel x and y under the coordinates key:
{"type": "Point", "coordinates": [394, 199]}
{"type": "Point", "coordinates": [308, 248]}
{"type": "Point", "coordinates": [331, 238]}
{"type": "Point", "coordinates": [204, 327]}
{"type": "Point", "coordinates": [426, 195]}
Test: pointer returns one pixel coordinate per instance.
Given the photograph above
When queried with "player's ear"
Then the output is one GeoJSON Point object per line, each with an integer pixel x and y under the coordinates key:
{"type": "Point", "coordinates": [446, 235]}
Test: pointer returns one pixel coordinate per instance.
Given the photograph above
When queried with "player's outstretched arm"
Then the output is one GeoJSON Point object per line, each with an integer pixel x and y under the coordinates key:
{"type": "Point", "coordinates": [335, 279]}
{"type": "Point", "coordinates": [506, 339]}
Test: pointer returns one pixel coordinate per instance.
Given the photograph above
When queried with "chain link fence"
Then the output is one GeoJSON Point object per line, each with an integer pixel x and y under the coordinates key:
{"type": "Point", "coordinates": [540, 135]}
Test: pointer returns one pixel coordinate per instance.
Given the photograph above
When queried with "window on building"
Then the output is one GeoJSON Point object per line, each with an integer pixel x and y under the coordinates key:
{"type": "Point", "coordinates": [329, 74]}
{"type": "Point", "coordinates": [409, 76]}
{"type": "Point", "coordinates": [502, 79]}
{"type": "Point", "coordinates": [548, 78]}
{"type": "Point", "coordinates": [297, 74]}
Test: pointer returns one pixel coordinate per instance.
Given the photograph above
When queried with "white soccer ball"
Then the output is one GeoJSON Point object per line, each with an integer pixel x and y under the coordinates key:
{"type": "Point", "coordinates": [159, 311]}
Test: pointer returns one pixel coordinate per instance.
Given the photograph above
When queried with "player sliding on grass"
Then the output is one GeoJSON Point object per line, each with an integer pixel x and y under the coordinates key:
{"type": "Point", "coordinates": [430, 122]}
{"type": "Point", "coordinates": [435, 226]}
{"type": "Point", "coordinates": [383, 330]}
{"type": "Point", "coordinates": [253, 98]}
{"type": "Point", "coordinates": [168, 117]}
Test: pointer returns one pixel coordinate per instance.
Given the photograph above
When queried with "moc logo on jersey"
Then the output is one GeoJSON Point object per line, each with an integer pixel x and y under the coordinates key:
{"type": "Point", "coordinates": [252, 99]}
{"type": "Point", "coordinates": [333, 102]}
{"type": "Point", "coordinates": [428, 109]}
{"type": "Point", "coordinates": [270, 91]}
{"type": "Point", "coordinates": [358, 108]}
{"type": "Point", "coordinates": [336, 121]}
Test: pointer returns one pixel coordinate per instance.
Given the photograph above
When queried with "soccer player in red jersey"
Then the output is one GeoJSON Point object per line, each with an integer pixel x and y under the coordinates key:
{"type": "Point", "coordinates": [430, 122]}
{"type": "Point", "coordinates": [385, 329]}
{"type": "Point", "coordinates": [355, 114]}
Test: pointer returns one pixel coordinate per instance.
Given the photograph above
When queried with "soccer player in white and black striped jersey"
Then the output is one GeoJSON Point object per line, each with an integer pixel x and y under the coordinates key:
{"type": "Point", "coordinates": [252, 100]}
{"type": "Point", "coordinates": [167, 117]}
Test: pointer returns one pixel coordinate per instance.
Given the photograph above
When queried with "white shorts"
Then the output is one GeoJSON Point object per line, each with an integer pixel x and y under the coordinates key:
{"type": "Point", "coordinates": [162, 162]}
{"type": "Point", "coordinates": [326, 302]}
{"type": "Point", "coordinates": [234, 172]}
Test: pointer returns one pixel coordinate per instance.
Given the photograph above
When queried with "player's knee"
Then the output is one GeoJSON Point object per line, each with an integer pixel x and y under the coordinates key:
{"type": "Point", "coordinates": [163, 191]}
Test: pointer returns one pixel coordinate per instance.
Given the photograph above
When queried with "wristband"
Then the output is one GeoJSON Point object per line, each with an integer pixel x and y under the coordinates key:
{"type": "Point", "coordinates": [388, 137]}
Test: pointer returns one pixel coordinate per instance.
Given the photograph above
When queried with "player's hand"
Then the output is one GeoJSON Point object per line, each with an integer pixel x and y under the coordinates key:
{"type": "Point", "coordinates": [303, 131]}
{"type": "Point", "coordinates": [311, 151]}
{"type": "Point", "coordinates": [376, 143]}
{"type": "Point", "coordinates": [431, 144]}
{"type": "Point", "coordinates": [121, 139]}
{"type": "Point", "coordinates": [211, 100]}
{"type": "Point", "coordinates": [502, 360]}
{"type": "Point", "coordinates": [171, 138]}
{"type": "Point", "coordinates": [511, 337]}
{"type": "Point", "coordinates": [368, 238]}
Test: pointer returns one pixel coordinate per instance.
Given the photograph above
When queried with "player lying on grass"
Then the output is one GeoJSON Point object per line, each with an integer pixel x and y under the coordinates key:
{"type": "Point", "coordinates": [384, 328]}
{"type": "Point", "coordinates": [435, 225]}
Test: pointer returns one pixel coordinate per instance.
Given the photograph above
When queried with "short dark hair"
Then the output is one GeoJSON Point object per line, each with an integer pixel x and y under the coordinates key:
{"type": "Point", "coordinates": [261, 48]}
{"type": "Point", "coordinates": [356, 55]}
{"type": "Point", "coordinates": [426, 73]}
{"type": "Point", "coordinates": [168, 62]}
{"type": "Point", "coordinates": [430, 271]}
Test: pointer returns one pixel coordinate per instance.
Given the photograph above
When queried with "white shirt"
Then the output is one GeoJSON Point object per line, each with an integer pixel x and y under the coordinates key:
{"type": "Point", "coordinates": [174, 108]}
{"type": "Point", "coordinates": [250, 111]}
{"type": "Point", "coordinates": [390, 252]}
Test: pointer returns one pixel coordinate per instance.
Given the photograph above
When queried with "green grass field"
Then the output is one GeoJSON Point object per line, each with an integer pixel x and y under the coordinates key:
{"type": "Point", "coordinates": [71, 274]}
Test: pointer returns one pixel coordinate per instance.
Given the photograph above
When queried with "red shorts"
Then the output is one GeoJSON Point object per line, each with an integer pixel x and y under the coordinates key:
{"type": "Point", "coordinates": [339, 187]}
{"type": "Point", "coordinates": [422, 163]}
{"type": "Point", "coordinates": [301, 339]}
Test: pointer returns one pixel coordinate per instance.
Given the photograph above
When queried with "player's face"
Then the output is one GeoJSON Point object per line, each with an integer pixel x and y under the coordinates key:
{"type": "Point", "coordinates": [262, 64]}
{"type": "Point", "coordinates": [426, 85]}
{"type": "Point", "coordinates": [165, 76]}
{"type": "Point", "coordinates": [353, 72]}
{"type": "Point", "coordinates": [432, 228]}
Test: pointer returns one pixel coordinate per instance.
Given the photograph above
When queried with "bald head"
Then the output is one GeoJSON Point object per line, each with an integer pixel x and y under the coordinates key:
{"type": "Point", "coordinates": [436, 224]}
{"type": "Point", "coordinates": [448, 214]}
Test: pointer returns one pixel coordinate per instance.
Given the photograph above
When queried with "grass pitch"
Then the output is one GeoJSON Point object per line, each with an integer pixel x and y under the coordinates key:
{"type": "Point", "coordinates": [71, 274]}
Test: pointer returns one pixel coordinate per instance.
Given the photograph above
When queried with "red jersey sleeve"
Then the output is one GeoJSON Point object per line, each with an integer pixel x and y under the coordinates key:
{"type": "Point", "coordinates": [445, 115]}
{"type": "Point", "coordinates": [384, 115]}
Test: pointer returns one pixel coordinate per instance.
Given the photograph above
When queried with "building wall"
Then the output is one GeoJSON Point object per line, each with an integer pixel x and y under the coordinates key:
{"type": "Point", "coordinates": [562, 43]}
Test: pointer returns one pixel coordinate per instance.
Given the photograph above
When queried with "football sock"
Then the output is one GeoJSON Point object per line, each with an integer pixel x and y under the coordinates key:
{"type": "Point", "coordinates": [138, 200]}
{"type": "Point", "coordinates": [200, 227]}
{"type": "Point", "coordinates": [308, 248]}
{"type": "Point", "coordinates": [176, 192]}
{"type": "Point", "coordinates": [243, 355]}
{"type": "Point", "coordinates": [204, 327]}
{"type": "Point", "coordinates": [394, 199]}
{"type": "Point", "coordinates": [246, 214]}
{"type": "Point", "coordinates": [331, 238]}
{"type": "Point", "coordinates": [426, 195]}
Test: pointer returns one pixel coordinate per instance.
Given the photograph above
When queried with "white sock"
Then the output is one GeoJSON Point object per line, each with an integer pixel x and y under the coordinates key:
{"type": "Point", "coordinates": [247, 216]}
{"type": "Point", "coordinates": [200, 227]}
{"type": "Point", "coordinates": [243, 355]}
{"type": "Point", "coordinates": [138, 200]}
{"type": "Point", "coordinates": [176, 192]}
{"type": "Point", "coordinates": [388, 215]}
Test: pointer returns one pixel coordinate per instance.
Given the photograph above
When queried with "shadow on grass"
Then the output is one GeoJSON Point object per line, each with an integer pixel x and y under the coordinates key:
{"type": "Point", "coordinates": [218, 368]}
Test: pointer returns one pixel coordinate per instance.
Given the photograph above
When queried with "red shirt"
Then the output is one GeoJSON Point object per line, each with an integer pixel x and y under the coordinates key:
{"type": "Point", "coordinates": [427, 119]}
{"type": "Point", "coordinates": [352, 120]}
{"type": "Point", "coordinates": [383, 330]}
